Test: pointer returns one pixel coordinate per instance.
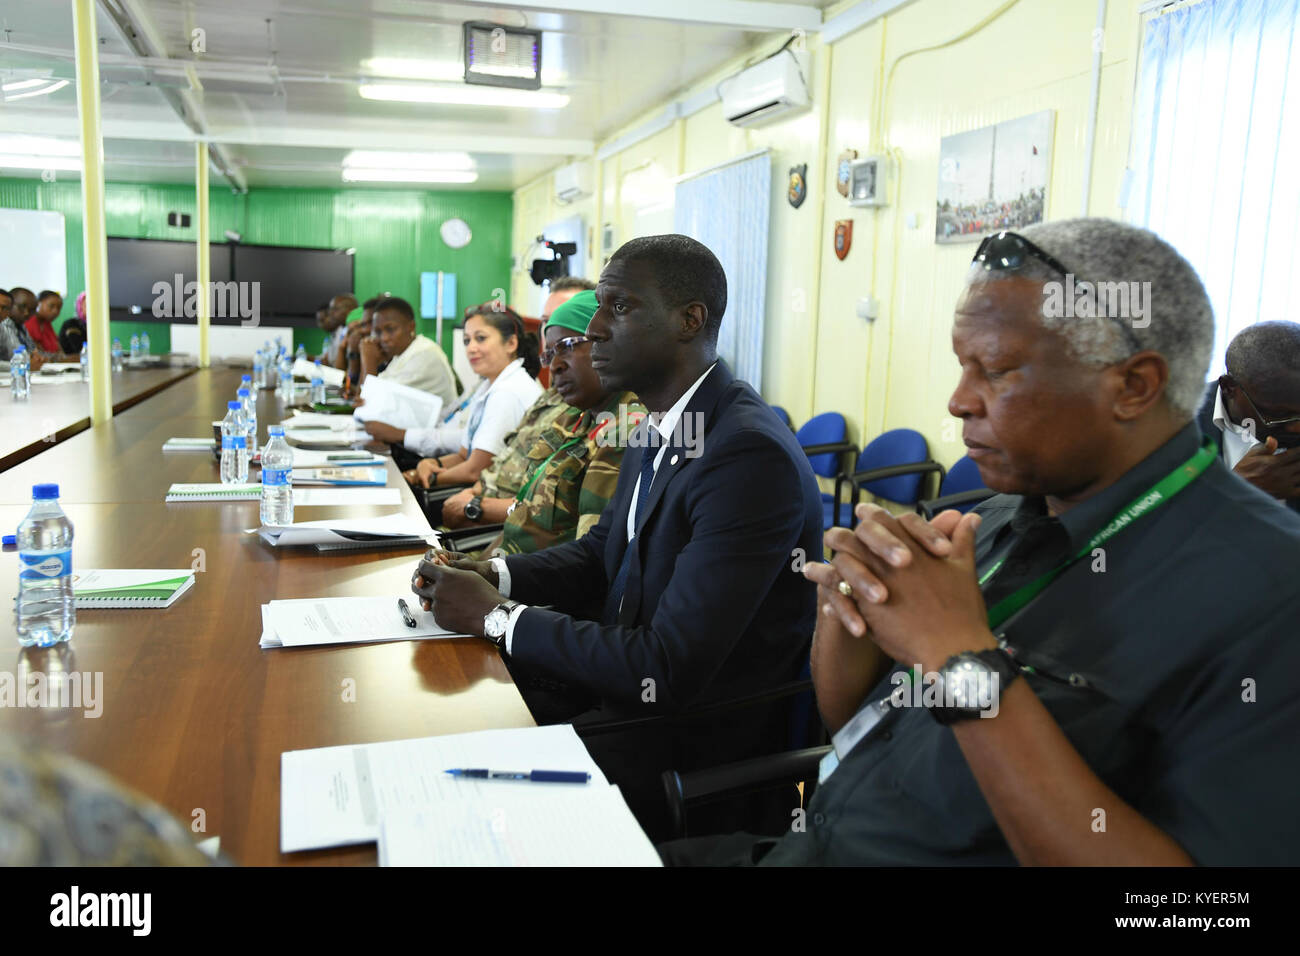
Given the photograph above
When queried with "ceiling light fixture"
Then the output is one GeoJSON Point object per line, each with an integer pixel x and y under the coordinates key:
{"type": "Point", "coordinates": [26, 87]}
{"type": "Point", "coordinates": [384, 159]}
{"type": "Point", "coordinates": [358, 174]}
{"type": "Point", "coordinates": [36, 161]}
{"type": "Point", "coordinates": [464, 95]}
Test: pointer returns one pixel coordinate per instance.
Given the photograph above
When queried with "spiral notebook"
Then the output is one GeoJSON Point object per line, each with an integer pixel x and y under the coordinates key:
{"type": "Point", "coordinates": [130, 588]}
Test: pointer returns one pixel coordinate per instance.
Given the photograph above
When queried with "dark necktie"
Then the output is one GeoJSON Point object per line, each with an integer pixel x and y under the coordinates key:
{"type": "Point", "coordinates": [615, 597]}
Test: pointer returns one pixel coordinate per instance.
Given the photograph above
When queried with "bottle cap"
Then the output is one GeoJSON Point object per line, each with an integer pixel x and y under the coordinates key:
{"type": "Point", "coordinates": [20, 348]}
{"type": "Point", "coordinates": [44, 492]}
{"type": "Point", "coordinates": [245, 378]}
{"type": "Point", "coordinates": [318, 381]}
{"type": "Point", "coordinates": [9, 540]}
{"type": "Point", "coordinates": [235, 405]}
{"type": "Point", "coordinates": [243, 393]}
{"type": "Point", "coordinates": [277, 431]}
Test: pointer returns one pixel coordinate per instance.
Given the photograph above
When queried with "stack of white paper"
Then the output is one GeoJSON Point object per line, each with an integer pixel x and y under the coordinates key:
{"type": "Point", "coordinates": [547, 825]}
{"type": "Point", "coordinates": [335, 796]}
{"type": "Point", "coordinates": [330, 376]}
{"type": "Point", "coordinates": [398, 405]}
{"type": "Point", "coordinates": [308, 622]}
{"type": "Point", "coordinates": [395, 527]}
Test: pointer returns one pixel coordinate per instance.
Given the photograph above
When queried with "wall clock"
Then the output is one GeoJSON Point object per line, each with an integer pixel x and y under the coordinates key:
{"type": "Point", "coordinates": [456, 233]}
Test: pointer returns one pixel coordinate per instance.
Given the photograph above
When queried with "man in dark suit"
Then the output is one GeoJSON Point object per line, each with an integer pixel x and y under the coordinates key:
{"type": "Point", "coordinates": [1254, 409]}
{"type": "Point", "coordinates": [688, 591]}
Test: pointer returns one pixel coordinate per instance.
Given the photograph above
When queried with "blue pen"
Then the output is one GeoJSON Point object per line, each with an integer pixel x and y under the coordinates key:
{"type": "Point", "coordinates": [536, 776]}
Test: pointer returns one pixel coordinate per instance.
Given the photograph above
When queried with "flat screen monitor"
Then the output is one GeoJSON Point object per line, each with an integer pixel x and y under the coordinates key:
{"type": "Point", "coordinates": [293, 282]}
{"type": "Point", "coordinates": [135, 266]}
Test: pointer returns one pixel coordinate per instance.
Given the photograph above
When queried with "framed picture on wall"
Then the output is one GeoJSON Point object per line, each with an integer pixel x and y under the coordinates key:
{"type": "Point", "coordinates": [994, 178]}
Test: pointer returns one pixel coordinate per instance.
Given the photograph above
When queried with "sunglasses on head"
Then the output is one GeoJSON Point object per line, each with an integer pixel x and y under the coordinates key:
{"type": "Point", "coordinates": [1006, 251]}
{"type": "Point", "coordinates": [563, 347]}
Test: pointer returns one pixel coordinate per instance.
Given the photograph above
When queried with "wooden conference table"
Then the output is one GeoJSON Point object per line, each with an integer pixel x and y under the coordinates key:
{"type": "Point", "coordinates": [195, 714]}
{"type": "Point", "coordinates": [62, 409]}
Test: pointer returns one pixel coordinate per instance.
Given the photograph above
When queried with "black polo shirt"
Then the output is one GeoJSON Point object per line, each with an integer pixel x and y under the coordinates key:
{"type": "Point", "coordinates": [1147, 666]}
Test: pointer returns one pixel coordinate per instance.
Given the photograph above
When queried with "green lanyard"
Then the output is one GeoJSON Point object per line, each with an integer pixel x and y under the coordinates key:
{"type": "Point", "coordinates": [524, 492]}
{"type": "Point", "coordinates": [1139, 507]}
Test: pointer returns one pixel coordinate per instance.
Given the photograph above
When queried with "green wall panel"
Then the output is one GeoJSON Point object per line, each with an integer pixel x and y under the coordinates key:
{"type": "Point", "coordinates": [394, 232]}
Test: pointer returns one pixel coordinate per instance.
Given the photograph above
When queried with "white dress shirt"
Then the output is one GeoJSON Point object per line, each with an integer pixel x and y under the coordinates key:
{"type": "Point", "coordinates": [423, 365]}
{"type": "Point", "coordinates": [665, 427]}
{"type": "Point", "coordinates": [1236, 440]}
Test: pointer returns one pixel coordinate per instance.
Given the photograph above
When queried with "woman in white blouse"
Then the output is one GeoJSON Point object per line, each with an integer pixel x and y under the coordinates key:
{"type": "Point", "coordinates": [506, 356]}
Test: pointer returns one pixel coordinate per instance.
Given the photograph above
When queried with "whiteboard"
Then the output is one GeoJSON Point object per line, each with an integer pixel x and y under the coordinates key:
{"type": "Point", "coordinates": [33, 251]}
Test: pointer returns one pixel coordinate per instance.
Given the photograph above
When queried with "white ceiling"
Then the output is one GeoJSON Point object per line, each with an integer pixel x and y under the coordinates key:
{"type": "Point", "coordinates": [277, 86]}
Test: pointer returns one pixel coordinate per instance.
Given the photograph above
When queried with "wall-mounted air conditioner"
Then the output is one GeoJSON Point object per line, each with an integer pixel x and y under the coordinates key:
{"type": "Point", "coordinates": [573, 182]}
{"type": "Point", "coordinates": [770, 90]}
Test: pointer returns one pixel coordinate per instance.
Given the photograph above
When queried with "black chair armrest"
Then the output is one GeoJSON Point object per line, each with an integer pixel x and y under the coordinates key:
{"type": "Point", "coordinates": [780, 692]}
{"type": "Point", "coordinates": [469, 538]}
{"type": "Point", "coordinates": [443, 492]}
{"type": "Point", "coordinates": [933, 506]}
{"type": "Point", "coordinates": [893, 471]}
{"type": "Point", "coordinates": [735, 779]}
{"type": "Point", "coordinates": [856, 479]}
{"type": "Point", "coordinates": [828, 447]}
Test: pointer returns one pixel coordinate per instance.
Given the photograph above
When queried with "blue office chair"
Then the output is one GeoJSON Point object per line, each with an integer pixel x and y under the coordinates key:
{"type": "Point", "coordinates": [825, 441]}
{"type": "Point", "coordinates": [892, 467]}
{"type": "Point", "coordinates": [962, 488]}
{"type": "Point", "coordinates": [782, 414]}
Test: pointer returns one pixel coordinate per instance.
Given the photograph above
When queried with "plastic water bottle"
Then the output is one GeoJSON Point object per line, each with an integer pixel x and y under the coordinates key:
{"type": "Point", "coordinates": [317, 390]}
{"type": "Point", "coordinates": [248, 408]}
{"type": "Point", "coordinates": [20, 374]}
{"type": "Point", "coordinates": [44, 610]}
{"type": "Point", "coordinates": [271, 368]}
{"type": "Point", "coordinates": [277, 484]}
{"type": "Point", "coordinates": [259, 371]}
{"type": "Point", "coordinates": [145, 344]}
{"type": "Point", "coordinates": [85, 362]}
{"type": "Point", "coordinates": [117, 355]}
{"type": "Point", "coordinates": [301, 354]}
{"type": "Point", "coordinates": [234, 446]}
{"type": "Point", "coordinates": [286, 379]}
{"type": "Point", "coordinates": [135, 348]}
{"type": "Point", "coordinates": [246, 381]}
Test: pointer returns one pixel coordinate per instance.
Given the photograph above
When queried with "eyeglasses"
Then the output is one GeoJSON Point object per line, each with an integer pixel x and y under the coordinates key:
{"type": "Point", "coordinates": [1005, 251]}
{"type": "Point", "coordinates": [1265, 424]}
{"type": "Point", "coordinates": [563, 347]}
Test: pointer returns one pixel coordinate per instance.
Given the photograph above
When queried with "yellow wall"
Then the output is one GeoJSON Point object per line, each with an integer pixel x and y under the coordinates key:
{"type": "Point", "coordinates": [899, 370]}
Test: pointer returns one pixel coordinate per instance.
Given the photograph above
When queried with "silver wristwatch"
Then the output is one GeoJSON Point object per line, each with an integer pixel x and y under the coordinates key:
{"type": "Point", "coordinates": [494, 625]}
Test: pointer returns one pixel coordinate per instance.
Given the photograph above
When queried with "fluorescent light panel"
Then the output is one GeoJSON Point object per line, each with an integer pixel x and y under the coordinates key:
{"type": "Point", "coordinates": [56, 85]}
{"type": "Point", "coordinates": [359, 174]}
{"type": "Point", "coordinates": [464, 95]}
{"type": "Point", "coordinates": [36, 161]}
{"type": "Point", "coordinates": [438, 70]}
{"type": "Point", "coordinates": [386, 159]}
{"type": "Point", "coordinates": [24, 143]}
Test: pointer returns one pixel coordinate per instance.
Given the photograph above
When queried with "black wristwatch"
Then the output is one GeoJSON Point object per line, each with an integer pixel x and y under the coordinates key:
{"type": "Point", "coordinates": [971, 683]}
{"type": "Point", "coordinates": [474, 508]}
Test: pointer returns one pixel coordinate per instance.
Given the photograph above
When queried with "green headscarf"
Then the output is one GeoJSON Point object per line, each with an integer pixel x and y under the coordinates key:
{"type": "Point", "coordinates": [355, 315]}
{"type": "Point", "coordinates": [576, 313]}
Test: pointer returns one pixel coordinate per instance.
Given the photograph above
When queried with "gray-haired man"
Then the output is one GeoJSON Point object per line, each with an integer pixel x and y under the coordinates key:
{"type": "Point", "coordinates": [1122, 616]}
{"type": "Point", "coordinates": [1254, 410]}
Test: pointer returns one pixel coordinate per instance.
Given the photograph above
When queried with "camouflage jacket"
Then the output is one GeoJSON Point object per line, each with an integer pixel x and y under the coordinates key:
{"type": "Point", "coordinates": [509, 470]}
{"type": "Point", "coordinates": [579, 456]}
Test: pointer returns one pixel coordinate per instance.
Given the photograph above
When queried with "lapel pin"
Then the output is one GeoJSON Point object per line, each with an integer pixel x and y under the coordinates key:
{"type": "Point", "coordinates": [674, 460]}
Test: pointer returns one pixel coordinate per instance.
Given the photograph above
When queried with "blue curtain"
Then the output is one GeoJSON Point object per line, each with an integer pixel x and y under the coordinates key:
{"type": "Point", "coordinates": [727, 209]}
{"type": "Point", "coordinates": [1217, 152]}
